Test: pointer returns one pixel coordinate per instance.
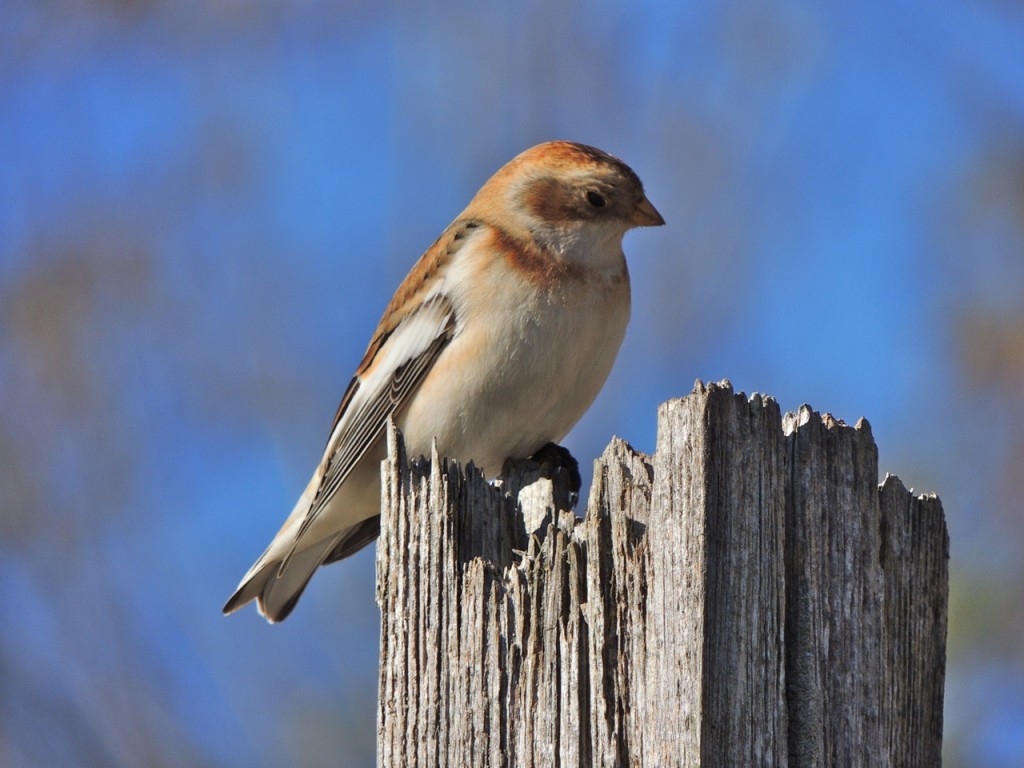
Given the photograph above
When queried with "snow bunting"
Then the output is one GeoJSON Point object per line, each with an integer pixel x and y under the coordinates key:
{"type": "Point", "coordinates": [494, 345]}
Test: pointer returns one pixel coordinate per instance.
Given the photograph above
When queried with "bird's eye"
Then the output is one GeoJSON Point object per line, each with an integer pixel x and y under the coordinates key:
{"type": "Point", "coordinates": [596, 199]}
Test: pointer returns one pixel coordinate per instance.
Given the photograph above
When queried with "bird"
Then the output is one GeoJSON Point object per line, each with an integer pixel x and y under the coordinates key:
{"type": "Point", "coordinates": [494, 345]}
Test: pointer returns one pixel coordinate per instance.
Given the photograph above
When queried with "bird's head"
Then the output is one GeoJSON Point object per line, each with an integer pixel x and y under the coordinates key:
{"type": "Point", "coordinates": [570, 198]}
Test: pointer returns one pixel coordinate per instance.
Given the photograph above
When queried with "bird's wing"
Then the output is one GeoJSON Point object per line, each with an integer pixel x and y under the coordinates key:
{"type": "Point", "coordinates": [418, 324]}
{"type": "Point", "coordinates": [408, 354]}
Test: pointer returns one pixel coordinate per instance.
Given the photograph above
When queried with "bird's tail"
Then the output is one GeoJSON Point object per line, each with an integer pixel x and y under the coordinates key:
{"type": "Point", "coordinates": [277, 589]}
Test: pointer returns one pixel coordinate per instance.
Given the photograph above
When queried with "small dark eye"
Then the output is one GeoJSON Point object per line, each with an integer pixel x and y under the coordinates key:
{"type": "Point", "coordinates": [596, 199]}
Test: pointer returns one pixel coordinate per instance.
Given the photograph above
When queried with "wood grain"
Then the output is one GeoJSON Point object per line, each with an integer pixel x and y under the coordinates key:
{"type": "Point", "coordinates": [748, 595]}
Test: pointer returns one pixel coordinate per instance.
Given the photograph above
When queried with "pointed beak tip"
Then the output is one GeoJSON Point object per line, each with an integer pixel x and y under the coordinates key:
{"type": "Point", "coordinates": [646, 215]}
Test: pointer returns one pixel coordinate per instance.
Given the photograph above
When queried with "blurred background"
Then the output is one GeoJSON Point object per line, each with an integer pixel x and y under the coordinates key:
{"type": "Point", "coordinates": [204, 208]}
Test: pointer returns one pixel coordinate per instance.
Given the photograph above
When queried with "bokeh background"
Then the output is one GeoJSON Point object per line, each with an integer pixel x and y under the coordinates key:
{"type": "Point", "coordinates": [205, 206]}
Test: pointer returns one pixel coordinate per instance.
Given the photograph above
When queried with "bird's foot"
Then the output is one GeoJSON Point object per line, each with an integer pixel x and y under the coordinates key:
{"type": "Point", "coordinates": [558, 457]}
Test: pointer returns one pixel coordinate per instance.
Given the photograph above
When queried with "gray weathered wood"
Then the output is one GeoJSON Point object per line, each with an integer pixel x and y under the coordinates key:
{"type": "Point", "coordinates": [834, 622]}
{"type": "Point", "coordinates": [915, 548]}
{"type": "Point", "coordinates": [746, 596]}
{"type": "Point", "coordinates": [716, 599]}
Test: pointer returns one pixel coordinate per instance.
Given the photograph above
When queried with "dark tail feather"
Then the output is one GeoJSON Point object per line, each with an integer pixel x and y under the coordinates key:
{"type": "Point", "coordinates": [277, 591]}
{"type": "Point", "coordinates": [355, 538]}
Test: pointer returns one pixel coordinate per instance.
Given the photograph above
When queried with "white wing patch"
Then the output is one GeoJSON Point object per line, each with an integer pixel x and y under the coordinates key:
{"type": "Point", "coordinates": [402, 362]}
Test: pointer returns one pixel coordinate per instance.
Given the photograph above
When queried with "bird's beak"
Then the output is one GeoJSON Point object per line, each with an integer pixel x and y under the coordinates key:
{"type": "Point", "coordinates": [646, 215]}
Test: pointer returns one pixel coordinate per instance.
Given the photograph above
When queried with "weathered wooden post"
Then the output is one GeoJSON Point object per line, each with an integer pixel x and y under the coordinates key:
{"type": "Point", "coordinates": [748, 595]}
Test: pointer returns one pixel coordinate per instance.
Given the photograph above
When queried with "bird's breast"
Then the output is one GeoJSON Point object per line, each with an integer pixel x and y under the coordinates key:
{"type": "Point", "coordinates": [527, 360]}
